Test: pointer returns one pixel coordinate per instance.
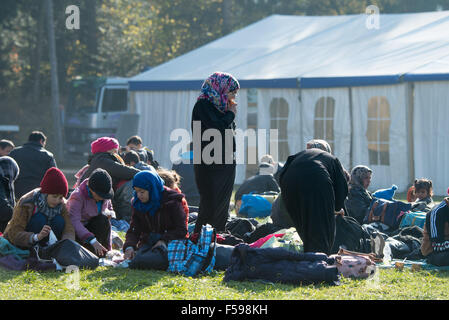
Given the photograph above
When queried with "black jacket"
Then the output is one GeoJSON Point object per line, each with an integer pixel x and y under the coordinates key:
{"type": "Point", "coordinates": [112, 165]}
{"type": "Point", "coordinates": [257, 184]}
{"type": "Point", "coordinates": [33, 161]}
{"type": "Point", "coordinates": [211, 118]}
{"type": "Point", "coordinates": [358, 202]}
{"type": "Point", "coordinates": [6, 208]}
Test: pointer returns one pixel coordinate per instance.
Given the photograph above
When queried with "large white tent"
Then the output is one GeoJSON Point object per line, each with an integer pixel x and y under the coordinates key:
{"type": "Point", "coordinates": [379, 95]}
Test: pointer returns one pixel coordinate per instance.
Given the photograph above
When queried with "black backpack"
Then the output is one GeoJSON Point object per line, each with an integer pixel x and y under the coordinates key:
{"type": "Point", "coordinates": [350, 235]}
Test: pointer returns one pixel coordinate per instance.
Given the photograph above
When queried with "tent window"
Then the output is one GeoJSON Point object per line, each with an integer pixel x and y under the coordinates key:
{"type": "Point", "coordinates": [279, 120]}
{"type": "Point", "coordinates": [378, 132]}
{"type": "Point", "coordinates": [324, 120]}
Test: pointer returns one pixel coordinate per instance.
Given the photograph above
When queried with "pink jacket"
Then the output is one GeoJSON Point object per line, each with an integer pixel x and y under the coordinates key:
{"type": "Point", "coordinates": [82, 208]}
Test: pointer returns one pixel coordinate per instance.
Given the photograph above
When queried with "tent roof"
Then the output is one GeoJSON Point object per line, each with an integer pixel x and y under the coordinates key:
{"type": "Point", "coordinates": [315, 51]}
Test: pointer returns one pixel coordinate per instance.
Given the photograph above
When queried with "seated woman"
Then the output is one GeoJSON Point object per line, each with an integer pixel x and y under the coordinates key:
{"type": "Point", "coordinates": [359, 198]}
{"type": "Point", "coordinates": [41, 211]}
{"type": "Point", "coordinates": [158, 217]}
{"type": "Point", "coordinates": [105, 156]}
{"type": "Point", "coordinates": [9, 171]}
{"type": "Point", "coordinates": [424, 192]}
{"type": "Point", "coordinates": [90, 209]}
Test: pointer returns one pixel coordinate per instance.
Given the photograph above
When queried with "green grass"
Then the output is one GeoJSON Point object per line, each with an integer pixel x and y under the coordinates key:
{"type": "Point", "coordinates": [124, 284]}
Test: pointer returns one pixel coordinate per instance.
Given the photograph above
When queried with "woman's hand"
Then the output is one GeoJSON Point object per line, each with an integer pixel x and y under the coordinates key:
{"type": "Point", "coordinates": [129, 253]}
{"type": "Point", "coordinates": [99, 249]}
{"type": "Point", "coordinates": [232, 106]}
{"type": "Point", "coordinates": [160, 243]}
{"type": "Point", "coordinates": [44, 232]}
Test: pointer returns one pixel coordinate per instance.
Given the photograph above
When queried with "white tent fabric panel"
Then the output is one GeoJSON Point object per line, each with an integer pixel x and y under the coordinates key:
{"type": "Point", "coordinates": [431, 134]}
{"type": "Point", "coordinates": [397, 172]}
{"type": "Point", "coordinates": [316, 47]}
{"type": "Point", "coordinates": [264, 99]}
{"type": "Point", "coordinates": [241, 123]}
{"type": "Point", "coordinates": [341, 121]}
{"type": "Point", "coordinates": [161, 112]}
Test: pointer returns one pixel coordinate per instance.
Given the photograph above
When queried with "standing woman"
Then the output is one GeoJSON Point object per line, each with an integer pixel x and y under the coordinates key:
{"type": "Point", "coordinates": [314, 188]}
{"type": "Point", "coordinates": [215, 109]}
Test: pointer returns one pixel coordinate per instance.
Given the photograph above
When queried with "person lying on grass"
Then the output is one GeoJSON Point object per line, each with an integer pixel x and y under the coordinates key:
{"type": "Point", "coordinates": [158, 214]}
{"type": "Point", "coordinates": [41, 211]}
{"type": "Point", "coordinates": [90, 209]}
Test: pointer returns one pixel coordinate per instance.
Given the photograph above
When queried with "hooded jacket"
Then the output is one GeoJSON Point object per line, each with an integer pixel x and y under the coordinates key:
{"type": "Point", "coordinates": [112, 165]}
{"type": "Point", "coordinates": [82, 208]}
{"type": "Point", "coordinates": [170, 221]}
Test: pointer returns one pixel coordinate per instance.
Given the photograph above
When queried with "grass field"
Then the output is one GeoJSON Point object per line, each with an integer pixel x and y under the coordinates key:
{"type": "Point", "coordinates": [124, 284]}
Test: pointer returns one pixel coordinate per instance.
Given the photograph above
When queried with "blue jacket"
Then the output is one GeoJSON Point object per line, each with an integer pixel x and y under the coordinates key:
{"type": "Point", "coordinates": [281, 265]}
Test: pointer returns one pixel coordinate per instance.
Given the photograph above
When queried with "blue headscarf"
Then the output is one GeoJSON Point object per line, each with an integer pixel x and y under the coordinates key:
{"type": "Point", "coordinates": [148, 180]}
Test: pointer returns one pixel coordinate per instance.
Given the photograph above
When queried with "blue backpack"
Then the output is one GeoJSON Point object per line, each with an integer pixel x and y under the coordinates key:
{"type": "Point", "coordinates": [386, 211]}
{"type": "Point", "coordinates": [254, 206]}
{"type": "Point", "coordinates": [189, 258]}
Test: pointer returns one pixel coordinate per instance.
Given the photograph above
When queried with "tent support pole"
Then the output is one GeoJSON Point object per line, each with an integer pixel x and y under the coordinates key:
{"type": "Point", "coordinates": [410, 132]}
{"type": "Point", "coordinates": [351, 120]}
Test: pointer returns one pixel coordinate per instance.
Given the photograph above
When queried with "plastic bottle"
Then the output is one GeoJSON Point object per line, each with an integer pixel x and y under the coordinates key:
{"type": "Point", "coordinates": [387, 254]}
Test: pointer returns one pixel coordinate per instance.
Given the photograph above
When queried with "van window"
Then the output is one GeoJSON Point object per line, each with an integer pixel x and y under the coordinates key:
{"type": "Point", "coordinates": [115, 100]}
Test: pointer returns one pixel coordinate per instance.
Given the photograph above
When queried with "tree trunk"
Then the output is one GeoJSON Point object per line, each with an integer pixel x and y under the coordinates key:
{"type": "Point", "coordinates": [40, 38]}
{"type": "Point", "coordinates": [227, 23]}
{"type": "Point", "coordinates": [57, 132]}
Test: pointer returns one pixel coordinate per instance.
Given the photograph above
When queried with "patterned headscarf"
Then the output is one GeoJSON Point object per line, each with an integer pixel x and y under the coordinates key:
{"type": "Point", "coordinates": [358, 174]}
{"type": "Point", "coordinates": [216, 87]}
{"type": "Point", "coordinates": [319, 144]}
{"type": "Point", "coordinates": [9, 171]}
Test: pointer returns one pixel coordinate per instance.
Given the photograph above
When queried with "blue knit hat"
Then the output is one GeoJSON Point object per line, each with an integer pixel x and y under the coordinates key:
{"type": "Point", "coordinates": [386, 194]}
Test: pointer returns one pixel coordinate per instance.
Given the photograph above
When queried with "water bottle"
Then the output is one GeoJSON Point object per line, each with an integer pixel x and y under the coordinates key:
{"type": "Point", "coordinates": [387, 254]}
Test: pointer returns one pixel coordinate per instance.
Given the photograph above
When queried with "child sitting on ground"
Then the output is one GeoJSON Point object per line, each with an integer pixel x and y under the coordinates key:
{"type": "Point", "coordinates": [90, 209]}
{"type": "Point", "coordinates": [172, 179]}
{"type": "Point", "coordinates": [424, 192]}
{"type": "Point", "coordinates": [41, 211]}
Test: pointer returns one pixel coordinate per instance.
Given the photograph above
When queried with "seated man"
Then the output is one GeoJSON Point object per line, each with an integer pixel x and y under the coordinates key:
{"type": "Point", "coordinates": [260, 183]}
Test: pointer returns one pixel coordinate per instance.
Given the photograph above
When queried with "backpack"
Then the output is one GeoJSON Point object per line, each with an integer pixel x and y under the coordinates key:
{"type": "Point", "coordinates": [355, 265]}
{"type": "Point", "coordinates": [189, 258]}
{"type": "Point", "coordinates": [417, 218]}
{"type": "Point", "coordinates": [386, 211]}
{"type": "Point", "coordinates": [350, 235]}
{"type": "Point", "coordinates": [254, 206]}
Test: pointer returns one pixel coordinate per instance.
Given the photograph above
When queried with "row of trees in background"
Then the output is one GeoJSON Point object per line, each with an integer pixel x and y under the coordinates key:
{"type": "Point", "coordinates": [122, 37]}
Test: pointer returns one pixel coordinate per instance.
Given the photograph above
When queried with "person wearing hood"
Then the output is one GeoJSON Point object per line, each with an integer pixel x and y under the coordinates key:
{"type": "Point", "coordinates": [9, 170]}
{"type": "Point", "coordinates": [359, 198]}
{"type": "Point", "coordinates": [158, 215]}
{"type": "Point", "coordinates": [215, 109]}
{"type": "Point", "coordinates": [90, 209]}
{"type": "Point", "coordinates": [105, 156]}
{"type": "Point", "coordinates": [41, 211]}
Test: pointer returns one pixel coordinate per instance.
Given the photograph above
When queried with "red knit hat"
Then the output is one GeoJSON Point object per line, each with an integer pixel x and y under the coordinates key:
{"type": "Point", "coordinates": [103, 144]}
{"type": "Point", "coordinates": [54, 182]}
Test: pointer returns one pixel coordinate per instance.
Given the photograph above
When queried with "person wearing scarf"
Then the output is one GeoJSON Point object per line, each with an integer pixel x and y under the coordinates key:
{"type": "Point", "coordinates": [158, 215]}
{"type": "Point", "coordinates": [9, 171]}
{"type": "Point", "coordinates": [215, 108]}
{"type": "Point", "coordinates": [359, 198]}
{"type": "Point", "coordinates": [90, 209]}
{"type": "Point", "coordinates": [41, 211]}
